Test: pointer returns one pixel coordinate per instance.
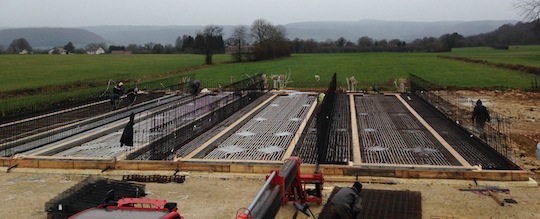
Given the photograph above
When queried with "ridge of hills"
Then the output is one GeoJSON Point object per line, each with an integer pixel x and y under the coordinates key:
{"type": "Point", "coordinates": [45, 37]}
{"type": "Point", "coordinates": [317, 30]}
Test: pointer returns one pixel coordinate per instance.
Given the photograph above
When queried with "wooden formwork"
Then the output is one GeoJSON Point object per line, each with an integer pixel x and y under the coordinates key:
{"type": "Point", "coordinates": [406, 172]}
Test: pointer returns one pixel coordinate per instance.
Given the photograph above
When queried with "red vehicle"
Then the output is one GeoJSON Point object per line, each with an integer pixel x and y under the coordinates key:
{"type": "Point", "coordinates": [133, 208]}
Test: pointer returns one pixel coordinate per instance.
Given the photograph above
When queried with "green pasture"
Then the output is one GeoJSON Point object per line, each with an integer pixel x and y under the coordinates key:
{"type": "Point", "coordinates": [19, 72]}
{"type": "Point", "coordinates": [523, 55]}
{"type": "Point", "coordinates": [34, 71]}
{"type": "Point", "coordinates": [373, 68]}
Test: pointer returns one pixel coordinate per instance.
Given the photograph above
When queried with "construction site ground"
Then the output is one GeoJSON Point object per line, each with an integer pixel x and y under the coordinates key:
{"type": "Point", "coordinates": [24, 191]}
{"type": "Point", "coordinates": [523, 109]}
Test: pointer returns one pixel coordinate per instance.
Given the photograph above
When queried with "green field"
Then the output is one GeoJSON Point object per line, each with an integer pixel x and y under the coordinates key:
{"type": "Point", "coordinates": [41, 72]}
{"type": "Point", "coordinates": [524, 55]}
{"type": "Point", "coordinates": [374, 68]}
{"type": "Point", "coordinates": [34, 71]}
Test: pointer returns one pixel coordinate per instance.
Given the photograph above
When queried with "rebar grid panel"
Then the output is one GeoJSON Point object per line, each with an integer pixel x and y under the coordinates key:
{"type": "Point", "coordinates": [390, 135]}
{"type": "Point", "coordinates": [496, 133]}
{"type": "Point", "coordinates": [226, 116]}
{"type": "Point", "coordinates": [170, 145]}
{"type": "Point", "coordinates": [340, 141]}
{"type": "Point", "coordinates": [267, 135]}
{"type": "Point", "coordinates": [339, 138]}
{"type": "Point", "coordinates": [307, 150]}
{"type": "Point", "coordinates": [43, 139]}
{"type": "Point", "coordinates": [471, 149]}
{"type": "Point", "coordinates": [158, 123]}
{"type": "Point", "coordinates": [383, 204]}
{"type": "Point", "coordinates": [90, 193]}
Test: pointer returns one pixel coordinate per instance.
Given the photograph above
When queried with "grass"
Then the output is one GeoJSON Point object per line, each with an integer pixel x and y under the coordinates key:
{"type": "Point", "coordinates": [373, 68]}
{"type": "Point", "coordinates": [524, 55]}
{"type": "Point", "coordinates": [34, 71]}
{"type": "Point", "coordinates": [38, 71]}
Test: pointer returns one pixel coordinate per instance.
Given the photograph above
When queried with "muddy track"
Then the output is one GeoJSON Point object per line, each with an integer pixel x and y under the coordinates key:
{"type": "Point", "coordinates": [515, 67]}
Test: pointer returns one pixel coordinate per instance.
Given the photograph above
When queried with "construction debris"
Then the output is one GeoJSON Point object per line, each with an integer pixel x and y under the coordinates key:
{"type": "Point", "coordinates": [154, 178]}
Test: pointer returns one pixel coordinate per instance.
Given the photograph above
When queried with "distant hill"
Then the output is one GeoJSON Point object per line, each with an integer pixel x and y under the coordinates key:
{"type": "Point", "coordinates": [125, 35]}
{"type": "Point", "coordinates": [318, 30]}
{"type": "Point", "coordinates": [50, 37]}
{"type": "Point", "coordinates": [380, 29]}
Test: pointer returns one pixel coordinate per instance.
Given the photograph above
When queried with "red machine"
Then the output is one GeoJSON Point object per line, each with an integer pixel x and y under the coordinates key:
{"type": "Point", "coordinates": [132, 208]}
{"type": "Point", "coordinates": [282, 186]}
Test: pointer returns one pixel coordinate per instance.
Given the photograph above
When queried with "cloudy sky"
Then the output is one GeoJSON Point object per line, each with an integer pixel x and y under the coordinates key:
{"type": "Point", "coordinates": [75, 13]}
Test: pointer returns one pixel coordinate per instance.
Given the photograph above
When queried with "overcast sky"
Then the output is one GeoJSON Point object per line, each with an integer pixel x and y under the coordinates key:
{"type": "Point", "coordinates": [76, 13]}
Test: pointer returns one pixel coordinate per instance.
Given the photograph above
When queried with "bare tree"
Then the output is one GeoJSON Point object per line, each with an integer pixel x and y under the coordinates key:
{"type": "Point", "coordinates": [365, 41]}
{"type": "Point", "coordinates": [210, 34]}
{"type": "Point", "coordinates": [239, 38]}
{"type": "Point", "coordinates": [530, 9]}
{"type": "Point", "coordinates": [261, 30]}
{"type": "Point", "coordinates": [178, 43]}
{"type": "Point", "coordinates": [340, 42]}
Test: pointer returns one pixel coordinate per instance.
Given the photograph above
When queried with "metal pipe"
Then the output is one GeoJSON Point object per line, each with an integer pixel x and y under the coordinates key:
{"type": "Point", "coordinates": [256, 199]}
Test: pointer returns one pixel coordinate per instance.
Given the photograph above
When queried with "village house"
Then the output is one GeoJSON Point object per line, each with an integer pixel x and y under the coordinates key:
{"type": "Point", "coordinates": [233, 49]}
{"type": "Point", "coordinates": [58, 50]}
{"type": "Point", "coordinates": [97, 51]}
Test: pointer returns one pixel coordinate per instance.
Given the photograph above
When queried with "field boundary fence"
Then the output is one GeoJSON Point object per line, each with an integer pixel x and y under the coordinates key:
{"type": "Point", "coordinates": [497, 132]}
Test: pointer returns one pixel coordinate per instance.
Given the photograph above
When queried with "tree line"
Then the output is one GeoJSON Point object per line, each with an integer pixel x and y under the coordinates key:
{"type": "Point", "coordinates": [263, 40]}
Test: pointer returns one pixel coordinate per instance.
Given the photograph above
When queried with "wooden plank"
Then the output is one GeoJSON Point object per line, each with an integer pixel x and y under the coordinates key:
{"type": "Point", "coordinates": [448, 147]}
{"type": "Point", "coordinates": [489, 175]}
{"type": "Point", "coordinates": [157, 166]}
{"type": "Point", "coordinates": [496, 198]}
{"type": "Point", "coordinates": [52, 164]}
{"type": "Point", "coordinates": [265, 168]}
{"type": "Point", "coordinates": [429, 174]}
{"type": "Point", "coordinates": [91, 165]}
{"type": "Point", "coordinates": [4, 161]}
{"type": "Point", "coordinates": [357, 159]}
{"type": "Point", "coordinates": [225, 131]}
{"type": "Point", "coordinates": [225, 168]}
{"type": "Point", "coordinates": [520, 175]}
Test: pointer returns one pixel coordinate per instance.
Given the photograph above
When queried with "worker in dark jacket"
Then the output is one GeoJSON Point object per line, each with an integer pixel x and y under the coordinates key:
{"type": "Point", "coordinates": [347, 203]}
{"type": "Point", "coordinates": [127, 135]}
{"type": "Point", "coordinates": [195, 86]}
{"type": "Point", "coordinates": [480, 116]}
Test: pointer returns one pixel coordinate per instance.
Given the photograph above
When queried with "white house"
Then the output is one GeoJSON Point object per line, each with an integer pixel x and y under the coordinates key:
{"type": "Point", "coordinates": [97, 51]}
{"type": "Point", "coordinates": [58, 50]}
